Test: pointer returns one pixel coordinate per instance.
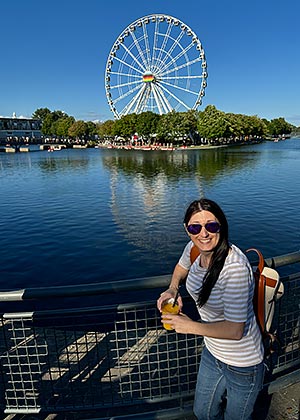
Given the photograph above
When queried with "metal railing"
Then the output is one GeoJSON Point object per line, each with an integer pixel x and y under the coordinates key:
{"type": "Point", "coordinates": [116, 358]}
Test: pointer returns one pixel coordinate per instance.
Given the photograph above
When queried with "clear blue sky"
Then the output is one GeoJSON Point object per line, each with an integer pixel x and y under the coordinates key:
{"type": "Point", "coordinates": [53, 54]}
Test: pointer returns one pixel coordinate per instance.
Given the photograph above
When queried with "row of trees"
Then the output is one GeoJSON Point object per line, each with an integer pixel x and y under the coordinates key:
{"type": "Point", "coordinates": [59, 124]}
{"type": "Point", "coordinates": [191, 126]}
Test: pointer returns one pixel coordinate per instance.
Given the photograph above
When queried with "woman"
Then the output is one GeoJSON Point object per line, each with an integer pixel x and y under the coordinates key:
{"type": "Point", "coordinates": [221, 282]}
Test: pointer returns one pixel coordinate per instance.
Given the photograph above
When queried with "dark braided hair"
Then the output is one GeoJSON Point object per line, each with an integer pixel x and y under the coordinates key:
{"type": "Point", "coordinates": [221, 250]}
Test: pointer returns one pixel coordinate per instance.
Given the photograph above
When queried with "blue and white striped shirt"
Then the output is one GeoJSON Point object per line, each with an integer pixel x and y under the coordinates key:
{"type": "Point", "coordinates": [230, 300]}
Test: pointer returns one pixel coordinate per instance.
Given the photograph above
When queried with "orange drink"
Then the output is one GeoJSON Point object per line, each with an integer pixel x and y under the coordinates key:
{"type": "Point", "coordinates": [168, 308]}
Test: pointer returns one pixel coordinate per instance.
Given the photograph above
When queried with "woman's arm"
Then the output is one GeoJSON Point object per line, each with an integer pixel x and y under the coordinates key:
{"type": "Point", "coordinates": [179, 274]}
{"type": "Point", "coordinates": [222, 329]}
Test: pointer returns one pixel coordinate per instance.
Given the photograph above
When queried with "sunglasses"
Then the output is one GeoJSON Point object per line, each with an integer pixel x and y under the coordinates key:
{"type": "Point", "coordinates": [211, 227]}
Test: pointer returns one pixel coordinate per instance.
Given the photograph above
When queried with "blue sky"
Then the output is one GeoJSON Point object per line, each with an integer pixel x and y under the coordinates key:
{"type": "Point", "coordinates": [53, 54]}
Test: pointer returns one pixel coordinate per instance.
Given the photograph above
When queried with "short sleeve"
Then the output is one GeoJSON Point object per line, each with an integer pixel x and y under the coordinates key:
{"type": "Point", "coordinates": [237, 289]}
{"type": "Point", "coordinates": [185, 259]}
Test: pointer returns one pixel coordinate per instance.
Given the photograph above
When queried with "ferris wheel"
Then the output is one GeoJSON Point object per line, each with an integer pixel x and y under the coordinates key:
{"type": "Point", "coordinates": [156, 64]}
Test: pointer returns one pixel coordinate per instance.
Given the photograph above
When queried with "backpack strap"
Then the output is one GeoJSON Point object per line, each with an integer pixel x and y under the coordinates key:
{"type": "Point", "coordinates": [268, 289]}
{"type": "Point", "coordinates": [194, 253]}
{"type": "Point", "coordinates": [259, 291]}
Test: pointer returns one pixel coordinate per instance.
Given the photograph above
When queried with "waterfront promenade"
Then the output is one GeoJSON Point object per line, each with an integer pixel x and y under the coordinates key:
{"type": "Point", "coordinates": [74, 208]}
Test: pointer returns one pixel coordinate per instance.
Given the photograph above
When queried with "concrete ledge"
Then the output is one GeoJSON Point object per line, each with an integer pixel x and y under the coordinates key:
{"type": "Point", "coordinates": [8, 149]}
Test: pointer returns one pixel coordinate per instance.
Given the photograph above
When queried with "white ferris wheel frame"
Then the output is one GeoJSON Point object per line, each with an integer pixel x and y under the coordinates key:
{"type": "Point", "coordinates": [154, 70]}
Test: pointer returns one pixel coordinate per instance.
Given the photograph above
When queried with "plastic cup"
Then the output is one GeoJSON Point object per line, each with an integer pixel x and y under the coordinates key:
{"type": "Point", "coordinates": [168, 308]}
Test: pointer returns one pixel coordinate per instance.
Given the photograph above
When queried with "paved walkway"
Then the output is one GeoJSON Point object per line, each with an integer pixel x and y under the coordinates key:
{"type": "Point", "coordinates": [282, 405]}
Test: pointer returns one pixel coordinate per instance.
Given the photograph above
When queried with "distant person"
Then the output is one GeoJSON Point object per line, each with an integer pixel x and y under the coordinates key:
{"type": "Point", "coordinates": [221, 283]}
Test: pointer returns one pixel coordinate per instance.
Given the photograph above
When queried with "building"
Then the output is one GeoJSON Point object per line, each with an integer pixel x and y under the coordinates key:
{"type": "Point", "coordinates": [12, 127]}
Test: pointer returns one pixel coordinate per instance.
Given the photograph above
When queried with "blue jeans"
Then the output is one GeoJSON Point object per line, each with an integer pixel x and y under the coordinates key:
{"type": "Point", "coordinates": [225, 392]}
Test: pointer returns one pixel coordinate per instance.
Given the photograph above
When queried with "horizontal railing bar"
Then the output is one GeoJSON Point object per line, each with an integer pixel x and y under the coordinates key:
{"type": "Point", "coordinates": [117, 286]}
{"type": "Point", "coordinates": [22, 410]}
{"type": "Point", "coordinates": [283, 260]}
{"type": "Point", "coordinates": [87, 289]}
{"type": "Point", "coordinates": [75, 311]}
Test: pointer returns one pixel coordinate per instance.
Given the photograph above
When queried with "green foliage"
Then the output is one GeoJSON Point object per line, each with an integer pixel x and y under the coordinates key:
{"type": "Point", "coordinates": [105, 129]}
{"type": "Point", "coordinates": [190, 121]}
{"type": "Point", "coordinates": [215, 124]}
{"type": "Point", "coordinates": [177, 126]}
{"type": "Point", "coordinates": [61, 126]}
{"type": "Point", "coordinates": [125, 126]}
{"type": "Point", "coordinates": [54, 122]}
{"type": "Point", "coordinates": [78, 129]}
{"type": "Point", "coordinates": [91, 128]}
{"type": "Point", "coordinates": [211, 124]}
{"type": "Point", "coordinates": [169, 126]}
{"type": "Point", "coordinates": [47, 125]}
{"type": "Point", "coordinates": [146, 123]}
{"type": "Point", "coordinates": [279, 126]}
{"type": "Point", "coordinates": [58, 123]}
{"type": "Point", "coordinates": [41, 113]}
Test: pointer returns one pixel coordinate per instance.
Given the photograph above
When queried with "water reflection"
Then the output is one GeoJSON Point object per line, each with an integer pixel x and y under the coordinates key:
{"type": "Point", "coordinates": [64, 160]}
{"type": "Point", "coordinates": [209, 164]}
{"type": "Point", "coordinates": [9, 162]}
{"type": "Point", "coordinates": [150, 190]}
{"type": "Point", "coordinates": [52, 164]}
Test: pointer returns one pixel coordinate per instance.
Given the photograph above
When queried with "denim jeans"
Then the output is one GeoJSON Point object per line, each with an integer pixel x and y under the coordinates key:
{"type": "Point", "coordinates": [225, 392]}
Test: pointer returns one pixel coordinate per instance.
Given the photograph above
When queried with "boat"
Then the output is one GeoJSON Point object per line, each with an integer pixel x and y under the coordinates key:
{"type": "Point", "coordinates": [54, 148]}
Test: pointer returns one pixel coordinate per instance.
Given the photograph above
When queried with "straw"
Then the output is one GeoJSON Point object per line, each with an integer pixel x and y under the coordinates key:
{"type": "Point", "coordinates": [176, 297]}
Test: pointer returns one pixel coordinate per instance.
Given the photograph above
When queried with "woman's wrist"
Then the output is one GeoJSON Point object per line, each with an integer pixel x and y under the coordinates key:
{"type": "Point", "coordinates": [172, 287]}
{"type": "Point", "coordinates": [172, 290]}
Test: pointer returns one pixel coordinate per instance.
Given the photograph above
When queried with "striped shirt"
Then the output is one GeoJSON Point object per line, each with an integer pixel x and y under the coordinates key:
{"type": "Point", "coordinates": [230, 300]}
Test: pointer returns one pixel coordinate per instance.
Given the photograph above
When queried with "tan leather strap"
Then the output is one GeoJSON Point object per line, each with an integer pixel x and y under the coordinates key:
{"type": "Point", "coordinates": [259, 291]}
{"type": "Point", "coordinates": [194, 253]}
{"type": "Point", "coordinates": [261, 262]}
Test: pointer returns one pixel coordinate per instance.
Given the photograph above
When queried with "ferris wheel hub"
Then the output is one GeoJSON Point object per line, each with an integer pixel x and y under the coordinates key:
{"type": "Point", "coordinates": [148, 77]}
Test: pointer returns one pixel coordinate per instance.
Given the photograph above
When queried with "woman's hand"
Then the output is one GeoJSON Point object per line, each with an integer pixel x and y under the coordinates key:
{"type": "Point", "coordinates": [166, 295]}
{"type": "Point", "coordinates": [181, 323]}
{"type": "Point", "coordinates": [178, 276]}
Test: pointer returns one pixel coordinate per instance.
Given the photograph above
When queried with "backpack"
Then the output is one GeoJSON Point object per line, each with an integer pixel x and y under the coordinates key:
{"type": "Point", "coordinates": [268, 289]}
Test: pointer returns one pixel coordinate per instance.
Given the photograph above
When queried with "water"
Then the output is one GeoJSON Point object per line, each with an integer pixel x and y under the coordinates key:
{"type": "Point", "coordinates": [86, 216]}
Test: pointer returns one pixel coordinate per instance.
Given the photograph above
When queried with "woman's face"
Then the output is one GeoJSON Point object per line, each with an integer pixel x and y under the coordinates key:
{"type": "Point", "coordinates": [204, 240]}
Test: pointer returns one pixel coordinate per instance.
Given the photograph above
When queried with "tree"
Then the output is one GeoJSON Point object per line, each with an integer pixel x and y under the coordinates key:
{"type": "Point", "coordinates": [105, 129]}
{"type": "Point", "coordinates": [213, 123]}
{"type": "Point", "coordinates": [258, 127]}
{"type": "Point", "coordinates": [47, 125]}
{"type": "Point", "coordinates": [125, 126]}
{"type": "Point", "coordinates": [78, 129]}
{"type": "Point", "coordinates": [279, 126]}
{"type": "Point", "coordinates": [170, 126]}
{"type": "Point", "coordinates": [41, 113]}
{"type": "Point", "coordinates": [146, 123]}
{"type": "Point", "coordinates": [51, 124]}
{"type": "Point", "coordinates": [61, 126]}
{"type": "Point", "coordinates": [189, 124]}
{"type": "Point", "coordinates": [91, 128]}
{"type": "Point", "coordinates": [236, 125]}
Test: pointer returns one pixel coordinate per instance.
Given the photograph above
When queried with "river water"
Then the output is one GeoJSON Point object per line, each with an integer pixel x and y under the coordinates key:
{"type": "Point", "coordinates": [93, 215]}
